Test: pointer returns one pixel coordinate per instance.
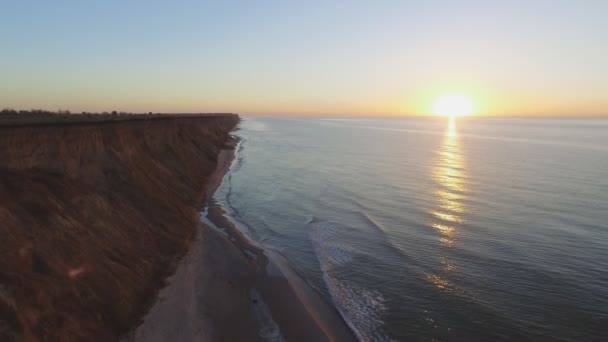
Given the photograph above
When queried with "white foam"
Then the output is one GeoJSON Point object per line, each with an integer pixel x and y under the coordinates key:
{"type": "Point", "coordinates": [203, 217]}
{"type": "Point", "coordinates": [361, 308]}
{"type": "Point", "coordinates": [324, 238]}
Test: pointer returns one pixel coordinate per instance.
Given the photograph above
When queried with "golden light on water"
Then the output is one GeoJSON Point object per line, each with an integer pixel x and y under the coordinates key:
{"type": "Point", "coordinates": [438, 281]}
{"type": "Point", "coordinates": [444, 229]}
{"type": "Point", "coordinates": [449, 176]}
{"type": "Point", "coordinates": [449, 211]}
{"type": "Point", "coordinates": [447, 217]}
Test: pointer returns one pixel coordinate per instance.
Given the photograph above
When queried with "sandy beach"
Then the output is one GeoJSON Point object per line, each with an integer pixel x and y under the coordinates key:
{"type": "Point", "coordinates": [229, 288]}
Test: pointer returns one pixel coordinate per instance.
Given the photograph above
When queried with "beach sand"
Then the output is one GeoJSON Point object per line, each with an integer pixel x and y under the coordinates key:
{"type": "Point", "coordinates": [229, 288]}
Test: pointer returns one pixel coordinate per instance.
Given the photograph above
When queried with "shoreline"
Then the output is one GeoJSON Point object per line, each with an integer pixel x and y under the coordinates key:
{"type": "Point", "coordinates": [228, 287]}
{"type": "Point", "coordinates": [297, 311]}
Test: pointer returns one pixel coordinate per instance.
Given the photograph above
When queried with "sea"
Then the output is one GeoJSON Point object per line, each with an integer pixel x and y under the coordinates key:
{"type": "Point", "coordinates": [435, 229]}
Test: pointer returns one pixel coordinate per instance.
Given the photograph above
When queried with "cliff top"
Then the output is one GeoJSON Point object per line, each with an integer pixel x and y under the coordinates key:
{"type": "Point", "coordinates": [10, 117]}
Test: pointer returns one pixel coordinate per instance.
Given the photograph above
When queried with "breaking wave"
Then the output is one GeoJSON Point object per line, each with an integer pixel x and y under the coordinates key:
{"type": "Point", "coordinates": [361, 308]}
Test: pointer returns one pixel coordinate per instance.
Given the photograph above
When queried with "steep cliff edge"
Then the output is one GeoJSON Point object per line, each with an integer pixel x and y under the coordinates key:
{"type": "Point", "coordinates": [94, 215]}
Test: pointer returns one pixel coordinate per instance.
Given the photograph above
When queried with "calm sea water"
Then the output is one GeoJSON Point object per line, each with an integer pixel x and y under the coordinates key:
{"type": "Point", "coordinates": [418, 229]}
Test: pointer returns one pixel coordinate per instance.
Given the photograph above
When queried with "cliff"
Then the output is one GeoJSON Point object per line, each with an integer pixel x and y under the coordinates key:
{"type": "Point", "coordinates": [94, 216]}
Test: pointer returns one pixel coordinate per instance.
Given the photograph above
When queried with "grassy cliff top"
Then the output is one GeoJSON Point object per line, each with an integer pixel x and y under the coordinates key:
{"type": "Point", "coordinates": [11, 117]}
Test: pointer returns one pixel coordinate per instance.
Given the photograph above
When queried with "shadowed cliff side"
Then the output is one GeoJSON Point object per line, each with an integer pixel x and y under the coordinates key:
{"type": "Point", "coordinates": [94, 217]}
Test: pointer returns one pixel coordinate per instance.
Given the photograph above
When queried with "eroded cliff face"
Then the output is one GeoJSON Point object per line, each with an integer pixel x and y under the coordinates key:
{"type": "Point", "coordinates": [92, 216]}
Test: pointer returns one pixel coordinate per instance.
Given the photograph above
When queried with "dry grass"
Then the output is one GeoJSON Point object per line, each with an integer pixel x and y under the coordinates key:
{"type": "Point", "coordinates": [93, 218]}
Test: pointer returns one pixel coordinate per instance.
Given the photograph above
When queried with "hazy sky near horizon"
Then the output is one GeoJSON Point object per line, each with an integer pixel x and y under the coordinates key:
{"type": "Point", "coordinates": [518, 57]}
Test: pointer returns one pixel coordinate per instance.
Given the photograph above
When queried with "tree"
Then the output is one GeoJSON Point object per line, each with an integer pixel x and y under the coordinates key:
{"type": "Point", "coordinates": [8, 111]}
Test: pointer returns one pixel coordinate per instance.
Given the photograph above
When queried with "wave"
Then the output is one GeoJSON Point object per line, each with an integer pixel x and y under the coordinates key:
{"type": "Point", "coordinates": [361, 308]}
{"type": "Point", "coordinates": [224, 194]}
{"type": "Point", "coordinates": [236, 165]}
{"type": "Point", "coordinates": [335, 253]}
{"type": "Point", "coordinates": [385, 235]}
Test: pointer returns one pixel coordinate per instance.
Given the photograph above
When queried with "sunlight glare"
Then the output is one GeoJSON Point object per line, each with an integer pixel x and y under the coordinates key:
{"type": "Point", "coordinates": [453, 105]}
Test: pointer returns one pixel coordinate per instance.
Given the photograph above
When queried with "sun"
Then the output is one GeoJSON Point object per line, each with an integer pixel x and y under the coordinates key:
{"type": "Point", "coordinates": [453, 105]}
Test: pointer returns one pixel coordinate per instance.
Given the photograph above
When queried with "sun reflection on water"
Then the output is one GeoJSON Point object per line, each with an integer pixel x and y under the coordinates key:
{"type": "Point", "coordinates": [449, 177]}
{"type": "Point", "coordinates": [449, 212]}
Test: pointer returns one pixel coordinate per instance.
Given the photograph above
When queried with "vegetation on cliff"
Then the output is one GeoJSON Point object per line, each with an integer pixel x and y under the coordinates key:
{"type": "Point", "coordinates": [95, 216]}
{"type": "Point", "coordinates": [12, 117]}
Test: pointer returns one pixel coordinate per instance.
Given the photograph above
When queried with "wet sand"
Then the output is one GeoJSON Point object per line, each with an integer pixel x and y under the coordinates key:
{"type": "Point", "coordinates": [228, 288]}
{"type": "Point", "coordinates": [298, 312]}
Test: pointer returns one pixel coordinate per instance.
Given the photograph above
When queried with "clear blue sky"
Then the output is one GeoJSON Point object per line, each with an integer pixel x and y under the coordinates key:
{"type": "Point", "coordinates": [536, 57]}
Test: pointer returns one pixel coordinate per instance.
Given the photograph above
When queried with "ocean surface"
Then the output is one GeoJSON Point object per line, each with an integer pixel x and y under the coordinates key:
{"type": "Point", "coordinates": [431, 229]}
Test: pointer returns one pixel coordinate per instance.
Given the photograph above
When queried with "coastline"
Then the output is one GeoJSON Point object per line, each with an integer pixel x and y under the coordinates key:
{"type": "Point", "coordinates": [184, 310]}
{"type": "Point", "coordinates": [229, 288]}
{"type": "Point", "coordinates": [97, 217]}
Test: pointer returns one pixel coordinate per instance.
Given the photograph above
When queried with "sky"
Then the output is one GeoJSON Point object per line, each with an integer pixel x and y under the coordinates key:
{"type": "Point", "coordinates": [318, 58]}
